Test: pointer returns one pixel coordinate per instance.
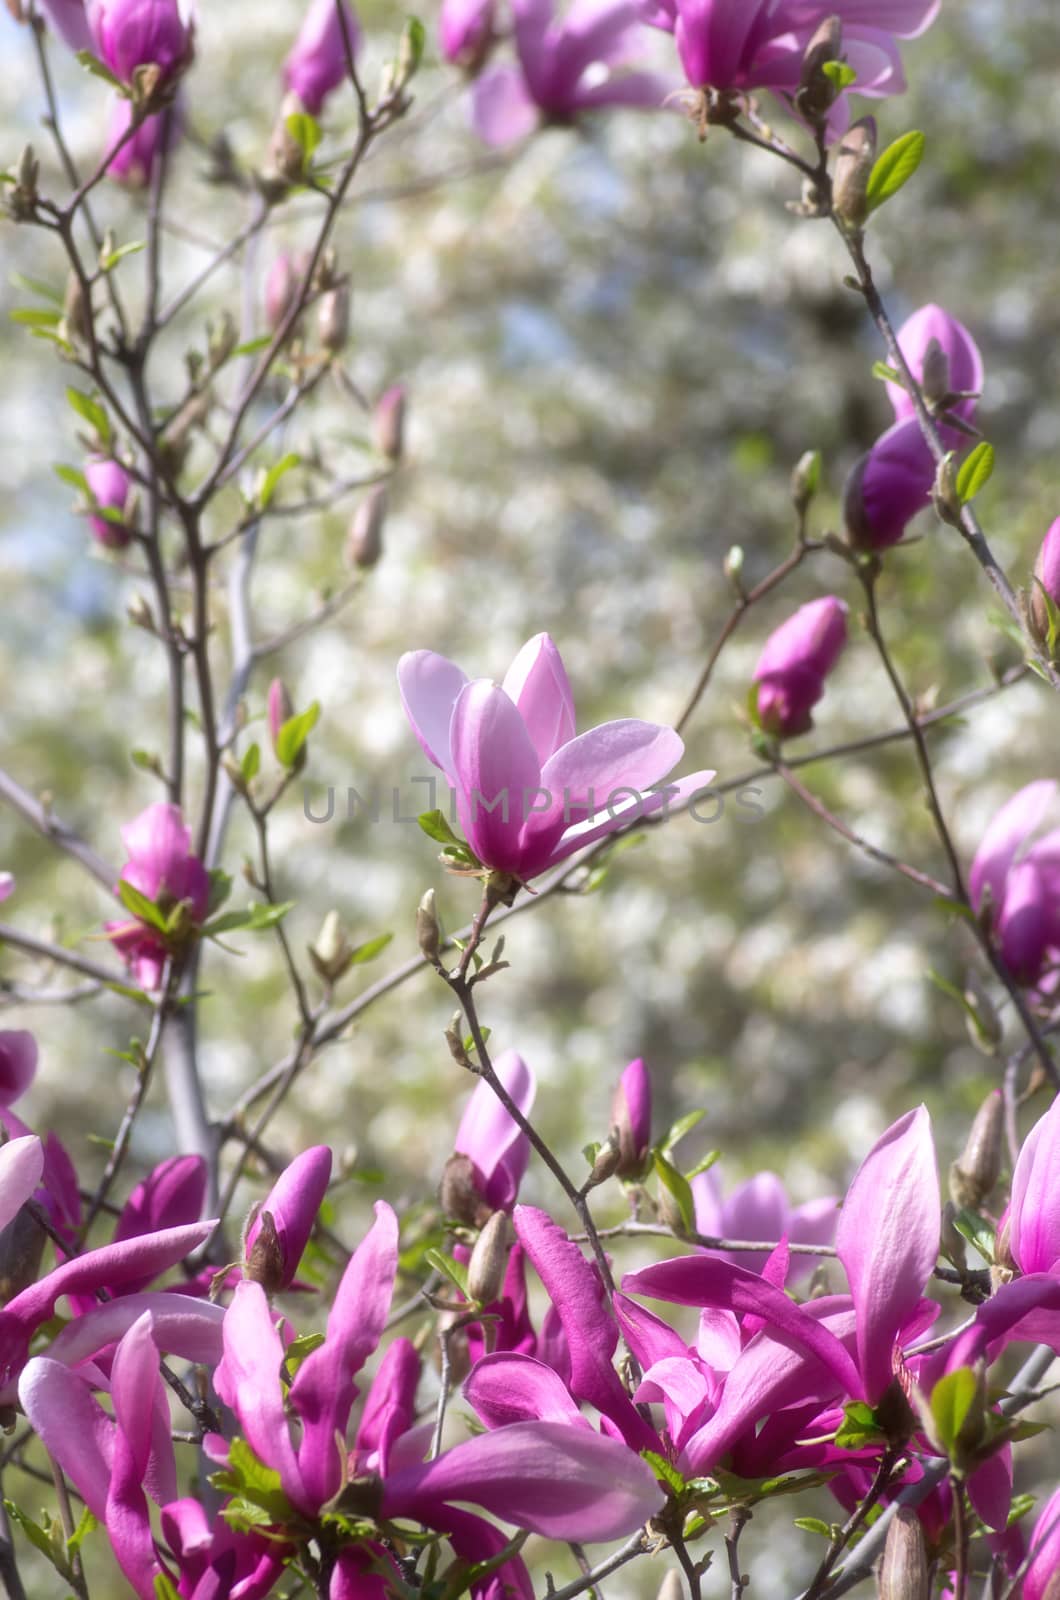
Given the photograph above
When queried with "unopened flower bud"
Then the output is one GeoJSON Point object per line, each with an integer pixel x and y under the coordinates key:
{"type": "Point", "coordinates": [671, 1587]}
{"type": "Point", "coordinates": [112, 491]}
{"type": "Point", "coordinates": [981, 1018]}
{"type": "Point", "coordinates": [732, 567]}
{"type": "Point", "coordinates": [222, 338]}
{"type": "Point", "coordinates": [278, 1233]}
{"type": "Point", "coordinates": [974, 1175]}
{"type": "Point", "coordinates": [805, 479]}
{"type": "Point", "coordinates": [1047, 577]}
{"type": "Point", "coordinates": [285, 160]}
{"type": "Point", "coordinates": [333, 318]}
{"type": "Point", "coordinates": [364, 543]}
{"type": "Point", "coordinates": [27, 172]}
{"type": "Point", "coordinates": [850, 179]}
{"type": "Point", "coordinates": [904, 1569]}
{"type": "Point", "coordinates": [606, 1161]}
{"type": "Point", "coordinates": [935, 373]}
{"type": "Point", "coordinates": [489, 1260]}
{"type": "Point", "coordinates": [817, 92]}
{"type": "Point", "coordinates": [428, 929]}
{"type": "Point", "coordinates": [140, 614]}
{"type": "Point", "coordinates": [21, 1248]}
{"type": "Point", "coordinates": [944, 496]}
{"type": "Point", "coordinates": [631, 1119]}
{"type": "Point", "coordinates": [280, 708]}
{"type": "Point", "coordinates": [332, 952]}
{"type": "Point", "coordinates": [76, 324]}
{"type": "Point", "coordinates": [459, 1195]}
{"type": "Point", "coordinates": [388, 423]}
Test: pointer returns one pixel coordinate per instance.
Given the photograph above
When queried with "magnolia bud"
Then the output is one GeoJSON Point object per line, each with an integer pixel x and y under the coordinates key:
{"type": "Point", "coordinates": [903, 1570]}
{"type": "Point", "coordinates": [280, 708]}
{"type": "Point", "coordinates": [944, 496]}
{"type": "Point", "coordinates": [671, 1587]}
{"type": "Point", "coordinates": [850, 179]}
{"type": "Point", "coordinates": [285, 160]}
{"type": "Point", "coordinates": [732, 567]}
{"type": "Point", "coordinates": [816, 92]}
{"type": "Point", "coordinates": [935, 373]}
{"type": "Point", "coordinates": [606, 1164]}
{"type": "Point", "coordinates": [265, 1261]}
{"type": "Point", "coordinates": [222, 338]}
{"type": "Point", "coordinates": [428, 930]}
{"type": "Point", "coordinates": [77, 312]}
{"type": "Point", "coordinates": [953, 1243]}
{"type": "Point", "coordinates": [333, 318]}
{"type": "Point", "coordinates": [489, 1260]}
{"type": "Point", "coordinates": [21, 1248]}
{"type": "Point", "coordinates": [331, 953]}
{"type": "Point", "coordinates": [364, 543]}
{"type": "Point", "coordinates": [23, 196]}
{"type": "Point", "coordinates": [388, 423]}
{"type": "Point", "coordinates": [805, 478]}
{"type": "Point", "coordinates": [974, 1175]}
{"type": "Point", "coordinates": [459, 1195]}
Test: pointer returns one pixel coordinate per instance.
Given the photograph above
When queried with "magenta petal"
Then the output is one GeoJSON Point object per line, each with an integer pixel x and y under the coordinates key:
{"type": "Point", "coordinates": [72, 1425]}
{"type": "Point", "coordinates": [537, 684]}
{"type": "Point", "coordinates": [575, 1290]}
{"type": "Point", "coordinates": [631, 1114]}
{"type": "Point", "coordinates": [888, 1240]}
{"type": "Point", "coordinates": [18, 1063]}
{"type": "Point", "coordinates": [931, 322]}
{"type": "Point", "coordinates": [1005, 837]}
{"type": "Point", "coordinates": [616, 755]}
{"type": "Point", "coordinates": [390, 1408]}
{"type": "Point", "coordinates": [491, 1139]}
{"type": "Point", "coordinates": [182, 1326]}
{"type": "Point", "coordinates": [248, 1380]}
{"type": "Point", "coordinates": [21, 1166]}
{"type": "Point", "coordinates": [673, 796]}
{"type": "Point", "coordinates": [556, 1480]}
{"type": "Point", "coordinates": [649, 1338]}
{"type": "Point", "coordinates": [502, 111]}
{"type": "Point", "coordinates": [498, 774]}
{"type": "Point", "coordinates": [430, 685]}
{"type": "Point", "coordinates": [293, 1203]}
{"type": "Point", "coordinates": [324, 1390]}
{"type": "Point", "coordinates": [504, 1388]}
{"type": "Point", "coordinates": [1034, 1210]}
{"type": "Point", "coordinates": [134, 1390]}
{"type": "Point", "coordinates": [1044, 1560]}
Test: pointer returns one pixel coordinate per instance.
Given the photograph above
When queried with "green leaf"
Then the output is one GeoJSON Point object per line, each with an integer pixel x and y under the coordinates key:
{"type": "Point", "coordinates": [73, 477]}
{"type": "Point", "coordinates": [306, 133]}
{"type": "Point", "coordinates": [413, 43]}
{"type": "Point", "coordinates": [813, 1525]}
{"type": "Point", "coordinates": [974, 472]}
{"type": "Point", "coordinates": [294, 733]}
{"type": "Point", "coordinates": [37, 286]}
{"type": "Point", "coordinates": [840, 73]}
{"type": "Point", "coordinates": [952, 1399]}
{"type": "Point", "coordinates": [109, 262]}
{"type": "Point", "coordinates": [220, 889]}
{"type": "Point", "coordinates": [453, 1270]}
{"type": "Point", "coordinates": [273, 476]}
{"type": "Point", "coordinates": [678, 1187]}
{"type": "Point", "coordinates": [98, 69]}
{"type": "Point", "coordinates": [978, 1232]}
{"type": "Point", "coordinates": [886, 374]}
{"type": "Point", "coordinates": [86, 1526]}
{"type": "Point", "coordinates": [250, 1479]}
{"type": "Point", "coordinates": [369, 949]}
{"type": "Point", "coordinates": [664, 1471]}
{"type": "Point", "coordinates": [704, 1164]}
{"type": "Point", "coordinates": [894, 168]}
{"type": "Point", "coordinates": [251, 763]}
{"type": "Point", "coordinates": [255, 919]}
{"type": "Point", "coordinates": [252, 346]}
{"type": "Point", "coordinates": [164, 1589]}
{"type": "Point", "coordinates": [143, 909]}
{"type": "Point", "coordinates": [49, 1540]}
{"type": "Point", "coordinates": [35, 317]}
{"type": "Point", "coordinates": [301, 1347]}
{"type": "Point", "coordinates": [858, 1428]}
{"type": "Point", "coordinates": [678, 1130]}
{"type": "Point", "coordinates": [436, 826]}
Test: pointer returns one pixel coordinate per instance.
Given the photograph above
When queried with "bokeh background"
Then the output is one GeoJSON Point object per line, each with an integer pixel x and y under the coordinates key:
{"type": "Point", "coordinates": [617, 342]}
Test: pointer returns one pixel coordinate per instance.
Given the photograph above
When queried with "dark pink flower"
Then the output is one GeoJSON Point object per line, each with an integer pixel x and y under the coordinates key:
{"type": "Point", "coordinates": [794, 664]}
{"type": "Point", "coordinates": [317, 63]}
{"type": "Point", "coordinates": [18, 1063]}
{"type": "Point", "coordinates": [492, 1142]}
{"type": "Point", "coordinates": [1023, 880]}
{"type": "Point", "coordinates": [274, 1248]}
{"type": "Point", "coordinates": [162, 867]}
{"type": "Point", "coordinates": [127, 34]}
{"type": "Point", "coordinates": [759, 1209]}
{"type": "Point", "coordinates": [111, 489]}
{"type": "Point", "coordinates": [465, 29]}
{"type": "Point", "coordinates": [134, 163]}
{"type": "Point", "coordinates": [631, 1115]}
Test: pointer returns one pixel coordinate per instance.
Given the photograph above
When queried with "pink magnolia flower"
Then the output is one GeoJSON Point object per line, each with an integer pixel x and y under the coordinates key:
{"type": "Point", "coordinates": [18, 1063]}
{"type": "Point", "coordinates": [134, 163]}
{"type": "Point", "coordinates": [280, 1227]}
{"type": "Point", "coordinates": [465, 30]}
{"type": "Point", "coordinates": [567, 66]}
{"type": "Point", "coordinates": [1023, 880]}
{"type": "Point", "coordinates": [796, 659]}
{"type": "Point", "coordinates": [1047, 575]}
{"type": "Point", "coordinates": [530, 793]}
{"type": "Point", "coordinates": [760, 1209]}
{"type": "Point", "coordinates": [1039, 1578]}
{"type": "Point", "coordinates": [631, 1116]}
{"type": "Point", "coordinates": [1034, 1209]}
{"type": "Point", "coordinates": [68, 19]}
{"type": "Point", "coordinates": [496, 1147]}
{"type": "Point", "coordinates": [893, 482]}
{"type": "Point", "coordinates": [127, 34]}
{"type": "Point", "coordinates": [111, 489]}
{"type": "Point", "coordinates": [317, 63]}
{"type": "Point", "coordinates": [162, 867]}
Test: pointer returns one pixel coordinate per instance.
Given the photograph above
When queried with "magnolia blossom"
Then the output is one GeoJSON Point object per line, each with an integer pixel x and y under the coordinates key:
{"type": "Point", "coordinates": [162, 867]}
{"type": "Point", "coordinates": [529, 792]}
{"type": "Point", "coordinates": [792, 668]}
{"type": "Point", "coordinates": [111, 489]}
{"type": "Point", "coordinates": [893, 482]}
{"type": "Point", "coordinates": [496, 1147]}
{"type": "Point", "coordinates": [567, 65]}
{"type": "Point", "coordinates": [317, 63]}
{"type": "Point", "coordinates": [1047, 578]}
{"type": "Point", "coordinates": [280, 1227]}
{"type": "Point", "coordinates": [631, 1118]}
{"type": "Point", "coordinates": [134, 163]}
{"type": "Point", "coordinates": [1034, 1209]}
{"type": "Point", "coordinates": [760, 1209]}
{"type": "Point", "coordinates": [68, 19]}
{"type": "Point", "coordinates": [465, 29]}
{"type": "Point", "coordinates": [18, 1063]}
{"type": "Point", "coordinates": [1043, 1566]}
{"type": "Point", "coordinates": [127, 34]}
{"type": "Point", "coordinates": [1023, 881]}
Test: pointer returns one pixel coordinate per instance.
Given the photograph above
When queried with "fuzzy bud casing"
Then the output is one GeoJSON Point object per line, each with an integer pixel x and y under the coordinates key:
{"type": "Point", "coordinates": [904, 1569]}
{"type": "Point", "coordinates": [388, 422]}
{"type": "Point", "coordinates": [333, 318]}
{"type": "Point", "coordinates": [853, 165]}
{"type": "Point", "coordinates": [428, 929]}
{"type": "Point", "coordinates": [489, 1260]}
{"type": "Point", "coordinates": [974, 1175]}
{"type": "Point", "coordinates": [364, 544]}
{"type": "Point", "coordinates": [817, 92]}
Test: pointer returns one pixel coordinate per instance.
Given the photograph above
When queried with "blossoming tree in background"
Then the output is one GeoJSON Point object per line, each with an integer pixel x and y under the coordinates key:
{"type": "Point", "coordinates": [481, 1391]}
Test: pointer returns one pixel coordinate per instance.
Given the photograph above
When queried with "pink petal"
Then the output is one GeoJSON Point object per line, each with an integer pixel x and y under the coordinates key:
{"type": "Point", "coordinates": [293, 1203]}
{"type": "Point", "coordinates": [487, 1134]}
{"type": "Point", "coordinates": [18, 1063]}
{"type": "Point", "coordinates": [626, 754]}
{"type": "Point", "coordinates": [1034, 1210]}
{"type": "Point", "coordinates": [537, 684]}
{"type": "Point", "coordinates": [505, 1388]}
{"type": "Point", "coordinates": [1003, 839]}
{"type": "Point", "coordinates": [21, 1166]}
{"type": "Point", "coordinates": [965, 362]}
{"type": "Point", "coordinates": [674, 796]}
{"type": "Point", "coordinates": [248, 1380]}
{"type": "Point", "coordinates": [390, 1408]}
{"type": "Point", "coordinates": [7, 885]}
{"type": "Point", "coordinates": [502, 111]}
{"type": "Point", "coordinates": [134, 1390]}
{"type": "Point", "coordinates": [497, 771]}
{"type": "Point", "coordinates": [1044, 1560]}
{"type": "Point", "coordinates": [888, 1240]}
{"type": "Point", "coordinates": [429, 686]}
{"type": "Point", "coordinates": [72, 1426]}
{"type": "Point", "coordinates": [556, 1480]}
{"type": "Point", "coordinates": [182, 1326]}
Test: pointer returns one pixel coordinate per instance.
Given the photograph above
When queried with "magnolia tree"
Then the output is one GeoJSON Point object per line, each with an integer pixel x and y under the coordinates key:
{"type": "Point", "coordinates": [187, 1376]}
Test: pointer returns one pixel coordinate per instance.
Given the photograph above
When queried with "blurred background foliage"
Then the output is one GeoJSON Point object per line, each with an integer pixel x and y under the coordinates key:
{"type": "Point", "coordinates": [617, 343]}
